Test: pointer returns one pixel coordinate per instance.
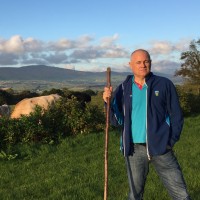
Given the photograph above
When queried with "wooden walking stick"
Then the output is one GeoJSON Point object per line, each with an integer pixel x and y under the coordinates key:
{"type": "Point", "coordinates": [108, 74]}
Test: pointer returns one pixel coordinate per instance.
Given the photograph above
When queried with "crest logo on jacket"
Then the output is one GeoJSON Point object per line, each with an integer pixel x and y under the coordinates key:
{"type": "Point", "coordinates": [157, 93]}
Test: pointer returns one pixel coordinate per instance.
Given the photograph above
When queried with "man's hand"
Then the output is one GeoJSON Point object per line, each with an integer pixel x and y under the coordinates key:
{"type": "Point", "coordinates": [107, 93]}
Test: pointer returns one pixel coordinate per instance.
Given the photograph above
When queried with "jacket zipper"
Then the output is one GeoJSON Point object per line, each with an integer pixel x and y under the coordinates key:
{"type": "Point", "coordinates": [124, 146]}
{"type": "Point", "coordinates": [147, 145]}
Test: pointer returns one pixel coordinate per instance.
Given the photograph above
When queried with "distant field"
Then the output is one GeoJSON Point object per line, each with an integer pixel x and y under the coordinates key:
{"type": "Point", "coordinates": [39, 85]}
{"type": "Point", "coordinates": [74, 169]}
{"type": "Point", "coordinates": [45, 79]}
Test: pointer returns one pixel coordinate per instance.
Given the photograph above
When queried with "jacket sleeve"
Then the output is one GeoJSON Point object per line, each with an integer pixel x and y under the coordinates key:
{"type": "Point", "coordinates": [116, 107]}
{"type": "Point", "coordinates": [175, 114]}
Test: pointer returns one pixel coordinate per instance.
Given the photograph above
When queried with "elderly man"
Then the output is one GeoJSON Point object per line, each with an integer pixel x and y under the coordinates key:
{"type": "Point", "coordinates": [147, 108]}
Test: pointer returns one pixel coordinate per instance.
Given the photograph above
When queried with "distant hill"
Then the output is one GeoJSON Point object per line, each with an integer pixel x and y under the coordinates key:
{"type": "Point", "coordinates": [42, 72]}
{"type": "Point", "coordinates": [47, 73]}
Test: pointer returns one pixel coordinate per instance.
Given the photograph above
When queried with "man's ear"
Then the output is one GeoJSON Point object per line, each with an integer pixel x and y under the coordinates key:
{"type": "Point", "coordinates": [150, 64]}
{"type": "Point", "coordinates": [130, 65]}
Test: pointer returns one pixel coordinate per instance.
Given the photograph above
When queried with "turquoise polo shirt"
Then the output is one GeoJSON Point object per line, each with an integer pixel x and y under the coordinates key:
{"type": "Point", "coordinates": [139, 114]}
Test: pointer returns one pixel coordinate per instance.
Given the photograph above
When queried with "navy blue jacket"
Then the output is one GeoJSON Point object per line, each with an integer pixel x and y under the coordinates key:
{"type": "Point", "coordinates": [164, 115]}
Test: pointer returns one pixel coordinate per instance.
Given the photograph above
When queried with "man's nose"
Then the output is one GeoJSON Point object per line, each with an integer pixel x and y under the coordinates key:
{"type": "Point", "coordinates": [144, 64]}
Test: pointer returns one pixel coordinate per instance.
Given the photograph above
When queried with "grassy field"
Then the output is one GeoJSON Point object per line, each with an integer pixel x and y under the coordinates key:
{"type": "Point", "coordinates": [74, 169]}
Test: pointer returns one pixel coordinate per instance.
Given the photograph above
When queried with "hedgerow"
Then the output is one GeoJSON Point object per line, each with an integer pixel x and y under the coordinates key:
{"type": "Point", "coordinates": [189, 100]}
{"type": "Point", "coordinates": [67, 117]}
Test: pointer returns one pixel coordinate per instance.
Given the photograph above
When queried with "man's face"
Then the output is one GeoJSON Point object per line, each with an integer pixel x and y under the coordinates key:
{"type": "Point", "coordinates": [140, 64]}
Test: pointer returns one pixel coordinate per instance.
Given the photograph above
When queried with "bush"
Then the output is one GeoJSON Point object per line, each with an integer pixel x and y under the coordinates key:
{"type": "Point", "coordinates": [77, 118]}
{"type": "Point", "coordinates": [189, 100]}
{"type": "Point", "coordinates": [64, 118]}
{"type": "Point", "coordinates": [4, 97]}
{"type": "Point", "coordinates": [10, 98]}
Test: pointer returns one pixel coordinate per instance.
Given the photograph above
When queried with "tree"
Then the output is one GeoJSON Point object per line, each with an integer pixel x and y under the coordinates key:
{"type": "Point", "coordinates": [4, 97]}
{"type": "Point", "coordinates": [190, 69]}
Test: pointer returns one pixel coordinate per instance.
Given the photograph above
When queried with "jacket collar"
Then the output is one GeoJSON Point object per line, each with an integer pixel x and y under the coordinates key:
{"type": "Point", "coordinates": [130, 77]}
{"type": "Point", "coordinates": [148, 76]}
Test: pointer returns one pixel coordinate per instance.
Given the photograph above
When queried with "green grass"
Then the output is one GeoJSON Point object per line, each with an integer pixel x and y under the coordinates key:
{"type": "Point", "coordinates": [74, 169]}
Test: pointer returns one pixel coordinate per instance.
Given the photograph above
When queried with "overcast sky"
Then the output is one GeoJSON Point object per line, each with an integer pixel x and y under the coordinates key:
{"type": "Point", "coordinates": [90, 35]}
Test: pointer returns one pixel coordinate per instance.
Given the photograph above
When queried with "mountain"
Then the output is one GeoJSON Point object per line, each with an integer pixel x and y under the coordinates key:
{"type": "Point", "coordinates": [42, 72]}
{"type": "Point", "coordinates": [47, 73]}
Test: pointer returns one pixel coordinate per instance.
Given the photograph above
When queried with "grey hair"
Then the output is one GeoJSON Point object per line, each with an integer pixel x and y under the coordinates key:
{"type": "Point", "coordinates": [143, 51]}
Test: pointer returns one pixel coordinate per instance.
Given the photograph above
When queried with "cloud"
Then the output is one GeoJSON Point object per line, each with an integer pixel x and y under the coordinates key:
{"type": "Point", "coordinates": [13, 45]}
{"type": "Point", "coordinates": [55, 58]}
{"type": "Point", "coordinates": [69, 66]}
{"type": "Point", "coordinates": [67, 44]}
{"type": "Point", "coordinates": [108, 41]}
{"type": "Point", "coordinates": [84, 40]}
{"type": "Point", "coordinates": [116, 53]}
{"type": "Point", "coordinates": [167, 47]}
{"type": "Point", "coordinates": [17, 50]}
{"type": "Point", "coordinates": [62, 44]}
{"type": "Point", "coordinates": [121, 68]}
{"type": "Point", "coordinates": [161, 47]}
{"type": "Point", "coordinates": [165, 66]}
{"type": "Point", "coordinates": [166, 54]}
{"type": "Point", "coordinates": [86, 51]}
{"type": "Point", "coordinates": [183, 44]}
{"type": "Point", "coordinates": [17, 45]}
{"type": "Point", "coordinates": [8, 59]}
{"type": "Point", "coordinates": [33, 45]}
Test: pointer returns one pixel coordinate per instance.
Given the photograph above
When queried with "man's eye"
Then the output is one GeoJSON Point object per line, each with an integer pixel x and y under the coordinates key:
{"type": "Point", "coordinates": [138, 62]}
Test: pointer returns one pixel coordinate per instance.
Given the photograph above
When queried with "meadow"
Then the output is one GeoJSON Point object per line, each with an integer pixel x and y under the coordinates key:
{"type": "Point", "coordinates": [74, 169]}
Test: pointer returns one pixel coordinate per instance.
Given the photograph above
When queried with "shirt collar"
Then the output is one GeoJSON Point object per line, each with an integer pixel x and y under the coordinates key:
{"type": "Point", "coordinates": [138, 85]}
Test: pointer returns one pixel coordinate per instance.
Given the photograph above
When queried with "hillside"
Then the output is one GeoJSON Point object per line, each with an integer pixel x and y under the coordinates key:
{"type": "Point", "coordinates": [74, 169]}
{"type": "Point", "coordinates": [43, 77]}
{"type": "Point", "coordinates": [42, 72]}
